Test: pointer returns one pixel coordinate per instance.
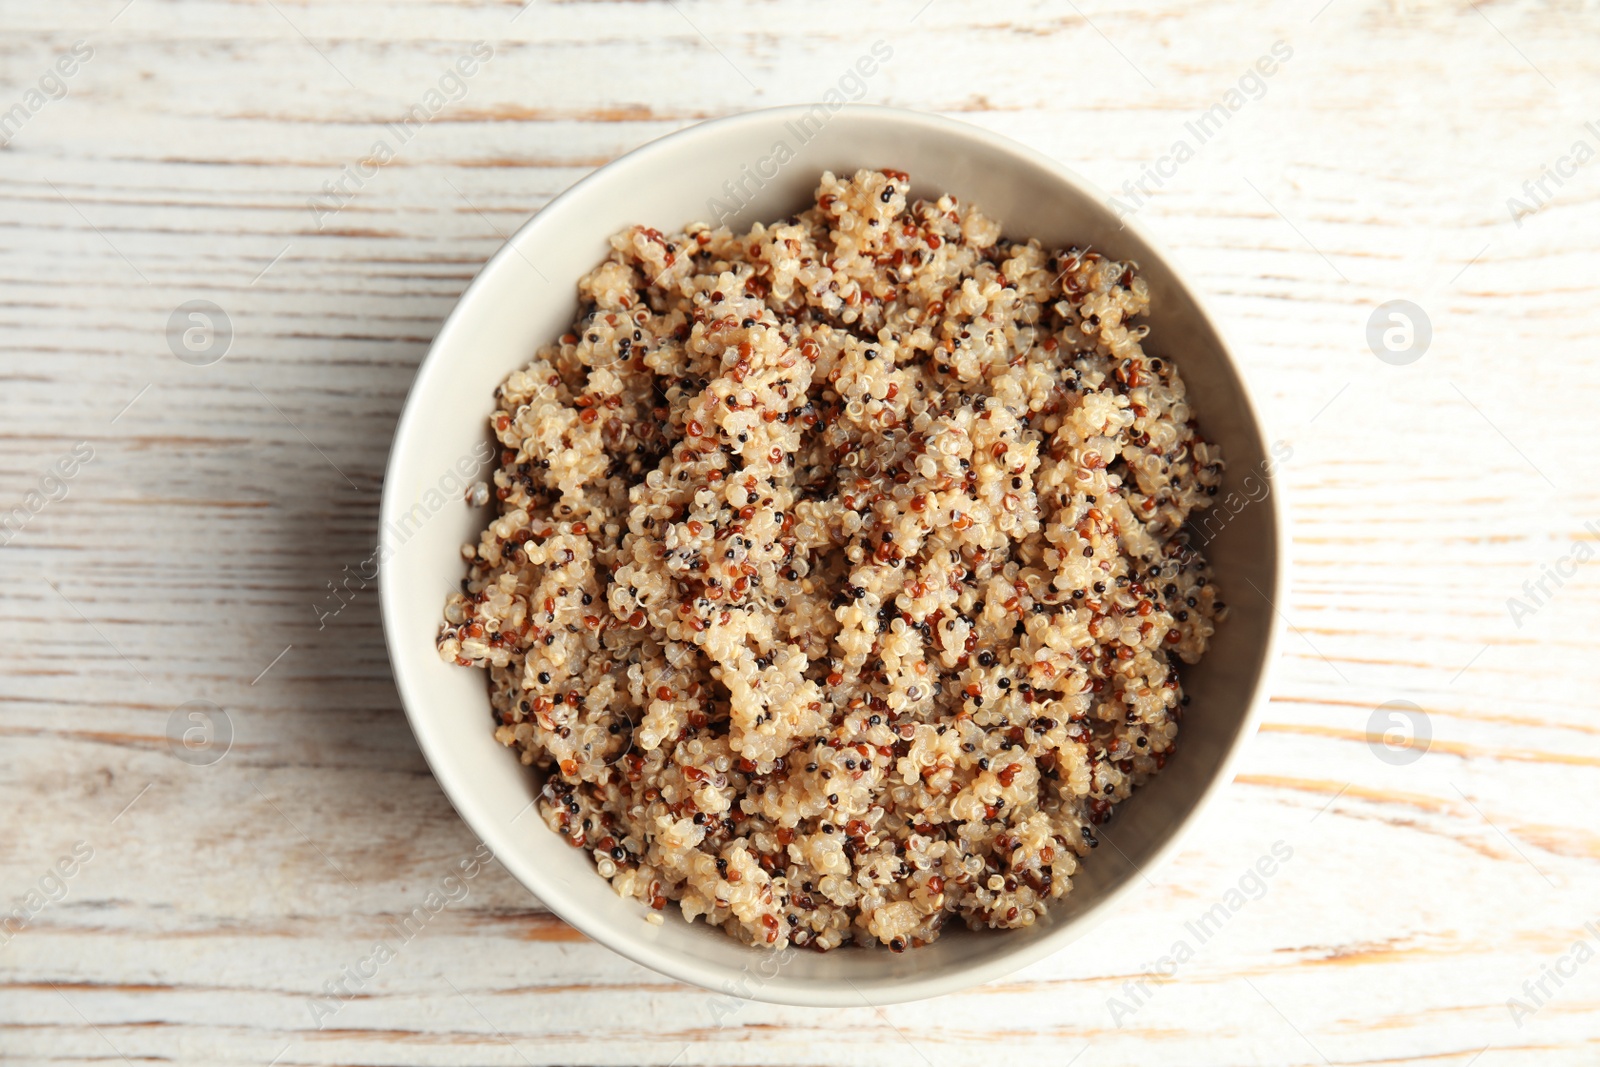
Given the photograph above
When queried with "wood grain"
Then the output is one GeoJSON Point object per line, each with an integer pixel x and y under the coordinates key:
{"type": "Point", "coordinates": [188, 559]}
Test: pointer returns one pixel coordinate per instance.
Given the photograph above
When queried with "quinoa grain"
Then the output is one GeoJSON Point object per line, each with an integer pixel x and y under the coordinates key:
{"type": "Point", "coordinates": [838, 579]}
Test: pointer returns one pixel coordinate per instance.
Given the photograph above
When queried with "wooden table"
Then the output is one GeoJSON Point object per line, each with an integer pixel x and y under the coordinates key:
{"type": "Point", "coordinates": [211, 900]}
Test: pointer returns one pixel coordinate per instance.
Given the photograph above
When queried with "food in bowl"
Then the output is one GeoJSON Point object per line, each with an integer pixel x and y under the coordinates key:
{"type": "Point", "coordinates": [839, 579]}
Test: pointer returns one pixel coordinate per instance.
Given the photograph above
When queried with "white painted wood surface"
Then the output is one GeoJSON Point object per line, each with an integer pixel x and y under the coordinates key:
{"type": "Point", "coordinates": [188, 559]}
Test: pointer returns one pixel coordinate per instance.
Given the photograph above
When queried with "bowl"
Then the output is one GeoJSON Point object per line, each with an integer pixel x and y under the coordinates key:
{"type": "Point", "coordinates": [525, 296]}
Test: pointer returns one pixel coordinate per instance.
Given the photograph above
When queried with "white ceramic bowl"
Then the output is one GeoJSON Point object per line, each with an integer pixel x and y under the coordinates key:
{"type": "Point", "coordinates": [525, 296]}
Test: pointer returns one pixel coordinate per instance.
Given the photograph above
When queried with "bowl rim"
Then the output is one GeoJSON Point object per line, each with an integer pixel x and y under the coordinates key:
{"type": "Point", "coordinates": [778, 989]}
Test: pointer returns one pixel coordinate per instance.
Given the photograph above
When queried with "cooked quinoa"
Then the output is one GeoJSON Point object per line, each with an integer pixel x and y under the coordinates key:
{"type": "Point", "coordinates": [839, 579]}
